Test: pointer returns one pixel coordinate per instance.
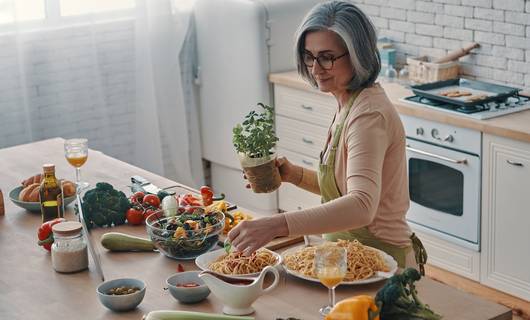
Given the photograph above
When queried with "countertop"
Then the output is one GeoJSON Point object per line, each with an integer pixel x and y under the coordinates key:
{"type": "Point", "coordinates": [30, 289]}
{"type": "Point", "coordinates": [515, 126]}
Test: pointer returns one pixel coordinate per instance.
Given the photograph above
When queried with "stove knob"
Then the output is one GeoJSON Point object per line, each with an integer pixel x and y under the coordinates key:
{"type": "Point", "coordinates": [419, 131]}
{"type": "Point", "coordinates": [449, 138]}
{"type": "Point", "coordinates": [435, 134]}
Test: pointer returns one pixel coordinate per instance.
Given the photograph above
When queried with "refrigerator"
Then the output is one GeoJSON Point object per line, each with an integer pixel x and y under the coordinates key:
{"type": "Point", "coordinates": [239, 42]}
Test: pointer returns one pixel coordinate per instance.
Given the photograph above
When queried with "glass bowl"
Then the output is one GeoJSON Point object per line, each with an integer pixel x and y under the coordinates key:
{"type": "Point", "coordinates": [185, 236]}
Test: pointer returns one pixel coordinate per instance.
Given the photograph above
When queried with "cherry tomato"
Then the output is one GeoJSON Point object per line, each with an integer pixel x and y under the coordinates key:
{"type": "Point", "coordinates": [180, 268]}
{"type": "Point", "coordinates": [133, 200]}
{"type": "Point", "coordinates": [139, 195]}
{"type": "Point", "coordinates": [152, 200]}
{"type": "Point", "coordinates": [134, 216]}
{"type": "Point", "coordinates": [148, 212]}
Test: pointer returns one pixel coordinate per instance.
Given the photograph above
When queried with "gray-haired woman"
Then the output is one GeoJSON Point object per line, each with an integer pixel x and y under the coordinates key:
{"type": "Point", "coordinates": [362, 177]}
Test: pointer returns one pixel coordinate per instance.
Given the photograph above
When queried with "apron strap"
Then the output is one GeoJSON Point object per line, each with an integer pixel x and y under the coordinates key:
{"type": "Point", "coordinates": [419, 252]}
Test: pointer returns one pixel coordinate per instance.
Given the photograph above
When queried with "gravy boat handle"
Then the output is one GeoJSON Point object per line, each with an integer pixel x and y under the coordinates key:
{"type": "Point", "coordinates": [276, 278]}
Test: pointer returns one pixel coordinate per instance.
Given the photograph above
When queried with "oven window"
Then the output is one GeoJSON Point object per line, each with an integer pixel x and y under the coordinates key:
{"type": "Point", "coordinates": [436, 186]}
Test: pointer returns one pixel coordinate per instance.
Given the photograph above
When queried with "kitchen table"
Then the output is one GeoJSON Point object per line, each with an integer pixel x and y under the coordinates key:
{"type": "Point", "coordinates": [31, 289]}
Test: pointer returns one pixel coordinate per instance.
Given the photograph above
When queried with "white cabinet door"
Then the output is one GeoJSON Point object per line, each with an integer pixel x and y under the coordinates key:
{"type": "Point", "coordinates": [505, 259]}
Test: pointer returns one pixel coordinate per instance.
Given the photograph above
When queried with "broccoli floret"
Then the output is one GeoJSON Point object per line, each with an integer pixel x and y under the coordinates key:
{"type": "Point", "coordinates": [104, 206]}
{"type": "Point", "coordinates": [398, 299]}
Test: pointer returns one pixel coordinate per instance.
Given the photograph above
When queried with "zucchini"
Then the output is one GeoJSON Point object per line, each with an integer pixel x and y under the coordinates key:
{"type": "Point", "coordinates": [116, 241]}
{"type": "Point", "coordinates": [189, 315]}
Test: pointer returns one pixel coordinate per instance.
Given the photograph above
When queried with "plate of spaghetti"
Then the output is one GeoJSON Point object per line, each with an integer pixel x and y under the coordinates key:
{"type": "Point", "coordinates": [364, 263]}
{"type": "Point", "coordinates": [236, 264]}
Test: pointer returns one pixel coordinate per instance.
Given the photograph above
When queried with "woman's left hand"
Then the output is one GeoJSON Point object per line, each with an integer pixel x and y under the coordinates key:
{"type": "Point", "coordinates": [250, 235]}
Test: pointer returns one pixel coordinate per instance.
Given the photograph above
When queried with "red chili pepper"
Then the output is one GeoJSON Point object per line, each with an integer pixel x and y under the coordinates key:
{"type": "Point", "coordinates": [189, 200]}
{"type": "Point", "coordinates": [207, 195]}
{"type": "Point", "coordinates": [180, 268]}
{"type": "Point", "coordinates": [45, 233]}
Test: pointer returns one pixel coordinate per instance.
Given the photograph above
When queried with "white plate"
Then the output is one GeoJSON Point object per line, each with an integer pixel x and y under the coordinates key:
{"type": "Point", "coordinates": [389, 260]}
{"type": "Point", "coordinates": [204, 260]}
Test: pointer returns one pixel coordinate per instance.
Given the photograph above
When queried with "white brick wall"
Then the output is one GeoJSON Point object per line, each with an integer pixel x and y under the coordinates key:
{"type": "Point", "coordinates": [94, 87]}
{"type": "Point", "coordinates": [433, 28]}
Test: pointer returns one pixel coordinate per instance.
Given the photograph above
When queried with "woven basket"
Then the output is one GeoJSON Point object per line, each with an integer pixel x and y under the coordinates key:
{"type": "Point", "coordinates": [423, 71]}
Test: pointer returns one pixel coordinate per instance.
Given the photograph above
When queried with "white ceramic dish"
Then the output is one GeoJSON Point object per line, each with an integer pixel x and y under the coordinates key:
{"type": "Point", "coordinates": [204, 260]}
{"type": "Point", "coordinates": [390, 262]}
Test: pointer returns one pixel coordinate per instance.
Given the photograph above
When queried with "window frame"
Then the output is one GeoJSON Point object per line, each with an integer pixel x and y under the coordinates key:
{"type": "Point", "coordinates": [53, 19]}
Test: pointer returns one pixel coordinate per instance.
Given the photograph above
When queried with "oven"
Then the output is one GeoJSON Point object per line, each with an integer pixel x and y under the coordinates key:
{"type": "Point", "coordinates": [444, 168]}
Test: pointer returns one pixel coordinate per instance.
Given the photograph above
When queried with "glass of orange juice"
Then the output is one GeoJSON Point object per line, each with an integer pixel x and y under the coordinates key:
{"type": "Point", "coordinates": [330, 268]}
{"type": "Point", "coordinates": [76, 153]}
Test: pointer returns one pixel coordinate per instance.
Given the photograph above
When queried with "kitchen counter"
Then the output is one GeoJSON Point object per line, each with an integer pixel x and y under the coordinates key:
{"type": "Point", "coordinates": [514, 126]}
{"type": "Point", "coordinates": [30, 289]}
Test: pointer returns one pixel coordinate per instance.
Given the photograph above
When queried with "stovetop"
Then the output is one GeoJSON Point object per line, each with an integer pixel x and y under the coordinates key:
{"type": "Point", "coordinates": [481, 112]}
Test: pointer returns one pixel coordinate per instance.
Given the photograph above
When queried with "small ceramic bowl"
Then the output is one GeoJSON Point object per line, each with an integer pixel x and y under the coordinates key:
{"type": "Point", "coordinates": [187, 294]}
{"type": "Point", "coordinates": [123, 302]}
{"type": "Point", "coordinates": [31, 206]}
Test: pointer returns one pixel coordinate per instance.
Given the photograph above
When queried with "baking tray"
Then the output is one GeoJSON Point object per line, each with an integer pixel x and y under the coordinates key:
{"type": "Point", "coordinates": [477, 92]}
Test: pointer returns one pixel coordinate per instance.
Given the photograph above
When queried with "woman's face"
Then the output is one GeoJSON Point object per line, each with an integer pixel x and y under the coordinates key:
{"type": "Point", "coordinates": [328, 44]}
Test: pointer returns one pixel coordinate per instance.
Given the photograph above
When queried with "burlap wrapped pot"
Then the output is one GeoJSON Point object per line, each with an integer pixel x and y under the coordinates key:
{"type": "Point", "coordinates": [262, 173]}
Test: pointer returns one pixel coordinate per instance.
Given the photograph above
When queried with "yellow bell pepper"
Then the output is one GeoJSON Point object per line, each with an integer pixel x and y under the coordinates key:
{"type": "Point", "coordinates": [354, 308]}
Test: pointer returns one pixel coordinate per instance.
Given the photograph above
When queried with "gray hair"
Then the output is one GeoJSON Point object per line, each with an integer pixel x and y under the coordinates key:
{"type": "Point", "coordinates": [356, 31]}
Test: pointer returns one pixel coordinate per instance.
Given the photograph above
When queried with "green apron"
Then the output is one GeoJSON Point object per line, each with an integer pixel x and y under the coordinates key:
{"type": "Point", "coordinates": [330, 191]}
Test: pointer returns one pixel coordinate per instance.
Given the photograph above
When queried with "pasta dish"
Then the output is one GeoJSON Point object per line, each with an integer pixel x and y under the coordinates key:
{"type": "Point", "coordinates": [236, 263]}
{"type": "Point", "coordinates": [362, 261]}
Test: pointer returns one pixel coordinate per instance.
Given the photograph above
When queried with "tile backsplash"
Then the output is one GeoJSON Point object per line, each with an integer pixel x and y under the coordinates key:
{"type": "Point", "coordinates": [433, 28]}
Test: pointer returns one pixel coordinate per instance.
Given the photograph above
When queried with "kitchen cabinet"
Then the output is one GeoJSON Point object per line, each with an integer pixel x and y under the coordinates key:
{"type": "Point", "coordinates": [505, 258]}
{"type": "Point", "coordinates": [302, 120]}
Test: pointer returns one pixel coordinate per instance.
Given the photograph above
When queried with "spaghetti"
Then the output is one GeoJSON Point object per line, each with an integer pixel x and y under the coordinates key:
{"type": "Point", "coordinates": [363, 261]}
{"type": "Point", "coordinates": [236, 263]}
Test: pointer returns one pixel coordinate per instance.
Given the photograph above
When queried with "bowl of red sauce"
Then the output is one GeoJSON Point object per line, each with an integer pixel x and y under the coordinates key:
{"type": "Point", "coordinates": [187, 287]}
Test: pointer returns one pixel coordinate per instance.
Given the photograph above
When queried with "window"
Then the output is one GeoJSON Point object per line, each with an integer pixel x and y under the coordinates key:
{"type": "Point", "coordinates": [21, 10]}
{"type": "Point", "coordinates": [79, 7]}
{"type": "Point", "coordinates": [35, 10]}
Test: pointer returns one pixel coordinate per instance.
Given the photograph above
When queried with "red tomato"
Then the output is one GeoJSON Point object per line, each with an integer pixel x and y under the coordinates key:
{"type": "Point", "coordinates": [133, 200]}
{"type": "Point", "coordinates": [134, 216]}
{"type": "Point", "coordinates": [148, 212]}
{"type": "Point", "coordinates": [152, 200]}
{"type": "Point", "coordinates": [139, 195]}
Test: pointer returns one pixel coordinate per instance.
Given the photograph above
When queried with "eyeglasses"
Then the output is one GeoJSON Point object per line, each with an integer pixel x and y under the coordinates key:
{"type": "Point", "coordinates": [325, 61]}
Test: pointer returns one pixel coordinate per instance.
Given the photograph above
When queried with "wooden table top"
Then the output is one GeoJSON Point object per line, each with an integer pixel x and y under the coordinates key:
{"type": "Point", "coordinates": [30, 288]}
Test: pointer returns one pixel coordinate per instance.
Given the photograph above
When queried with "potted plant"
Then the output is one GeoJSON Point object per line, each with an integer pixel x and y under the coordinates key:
{"type": "Point", "coordinates": [255, 142]}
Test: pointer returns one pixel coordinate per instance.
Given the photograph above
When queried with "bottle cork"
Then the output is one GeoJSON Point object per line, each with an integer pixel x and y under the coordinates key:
{"type": "Point", "coordinates": [2, 208]}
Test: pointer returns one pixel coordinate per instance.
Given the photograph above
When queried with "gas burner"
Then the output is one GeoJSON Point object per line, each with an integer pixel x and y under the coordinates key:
{"type": "Point", "coordinates": [483, 111]}
{"type": "Point", "coordinates": [472, 109]}
{"type": "Point", "coordinates": [430, 102]}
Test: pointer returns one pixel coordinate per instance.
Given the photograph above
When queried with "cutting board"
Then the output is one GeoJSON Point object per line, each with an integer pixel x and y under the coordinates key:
{"type": "Point", "coordinates": [275, 244]}
{"type": "Point", "coordinates": [284, 242]}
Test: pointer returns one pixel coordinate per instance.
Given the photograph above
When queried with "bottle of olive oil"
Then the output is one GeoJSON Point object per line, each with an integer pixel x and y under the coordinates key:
{"type": "Point", "coordinates": [51, 195]}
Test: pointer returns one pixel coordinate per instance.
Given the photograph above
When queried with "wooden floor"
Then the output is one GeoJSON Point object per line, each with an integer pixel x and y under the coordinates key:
{"type": "Point", "coordinates": [520, 307]}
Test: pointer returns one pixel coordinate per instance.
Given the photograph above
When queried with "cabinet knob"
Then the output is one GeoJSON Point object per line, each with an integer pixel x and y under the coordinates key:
{"type": "Point", "coordinates": [307, 162]}
{"type": "Point", "coordinates": [308, 108]}
{"type": "Point", "coordinates": [307, 140]}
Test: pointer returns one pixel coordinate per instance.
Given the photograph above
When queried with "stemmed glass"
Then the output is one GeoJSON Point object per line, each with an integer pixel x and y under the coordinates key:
{"type": "Point", "coordinates": [330, 268]}
{"type": "Point", "coordinates": [76, 153]}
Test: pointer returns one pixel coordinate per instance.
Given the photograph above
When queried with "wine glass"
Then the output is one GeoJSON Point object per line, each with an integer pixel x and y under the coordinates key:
{"type": "Point", "coordinates": [330, 268]}
{"type": "Point", "coordinates": [76, 153]}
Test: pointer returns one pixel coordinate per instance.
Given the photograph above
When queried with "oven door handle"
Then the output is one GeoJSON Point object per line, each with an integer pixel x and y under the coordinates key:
{"type": "Point", "coordinates": [425, 153]}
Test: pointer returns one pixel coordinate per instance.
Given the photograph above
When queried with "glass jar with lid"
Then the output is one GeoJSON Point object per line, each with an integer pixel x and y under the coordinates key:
{"type": "Point", "coordinates": [69, 249]}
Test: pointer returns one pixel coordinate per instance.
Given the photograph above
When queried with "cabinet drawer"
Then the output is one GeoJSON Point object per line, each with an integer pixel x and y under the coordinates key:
{"type": "Point", "coordinates": [292, 198]}
{"type": "Point", "coordinates": [300, 137]}
{"type": "Point", "coordinates": [303, 105]}
{"type": "Point", "coordinates": [299, 159]}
